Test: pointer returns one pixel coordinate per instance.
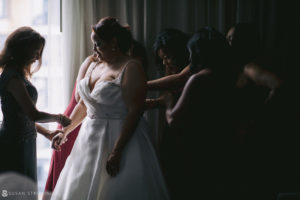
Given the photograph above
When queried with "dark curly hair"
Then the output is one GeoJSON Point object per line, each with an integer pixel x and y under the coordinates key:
{"type": "Point", "coordinates": [174, 42]}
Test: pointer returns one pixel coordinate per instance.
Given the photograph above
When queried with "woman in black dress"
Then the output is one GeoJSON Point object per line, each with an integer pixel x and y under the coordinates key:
{"type": "Point", "coordinates": [18, 98]}
{"type": "Point", "coordinates": [201, 118]}
{"type": "Point", "coordinates": [172, 56]}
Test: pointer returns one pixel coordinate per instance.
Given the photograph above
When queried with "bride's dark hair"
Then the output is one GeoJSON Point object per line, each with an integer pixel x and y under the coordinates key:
{"type": "Point", "coordinates": [109, 27]}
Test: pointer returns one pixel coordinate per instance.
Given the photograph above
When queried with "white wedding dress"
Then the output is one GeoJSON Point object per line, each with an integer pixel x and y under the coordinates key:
{"type": "Point", "coordinates": [84, 176]}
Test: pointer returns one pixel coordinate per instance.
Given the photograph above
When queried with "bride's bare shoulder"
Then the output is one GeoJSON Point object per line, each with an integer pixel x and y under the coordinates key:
{"type": "Point", "coordinates": [86, 67]}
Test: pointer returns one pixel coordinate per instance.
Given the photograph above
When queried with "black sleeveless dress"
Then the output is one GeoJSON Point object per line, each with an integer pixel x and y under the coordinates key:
{"type": "Point", "coordinates": [17, 132]}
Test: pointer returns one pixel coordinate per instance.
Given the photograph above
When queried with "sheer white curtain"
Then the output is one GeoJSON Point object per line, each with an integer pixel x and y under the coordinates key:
{"type": "Point", "coordinates": [56, 76]}
{"type": "Point", "coordinates": [77, 18]}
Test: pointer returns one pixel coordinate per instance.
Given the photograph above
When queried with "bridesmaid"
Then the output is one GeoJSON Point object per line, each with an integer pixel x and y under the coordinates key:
{"type": "Point", "coordinates": [201, 115]}
{"type": "Point", "coordinates": [171, 51]}
{"type": "Point", "coordinates": [18, 98]}
{"type": "Point", "coordinates": [172, 55]}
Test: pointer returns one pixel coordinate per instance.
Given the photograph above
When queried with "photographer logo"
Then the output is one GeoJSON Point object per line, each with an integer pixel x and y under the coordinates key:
{"type": "Point", "coordinates": [4, 193]}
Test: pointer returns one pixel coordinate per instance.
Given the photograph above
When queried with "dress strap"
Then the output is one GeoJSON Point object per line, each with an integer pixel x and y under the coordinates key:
{"type": "Point", "coordinates": [121, 74]}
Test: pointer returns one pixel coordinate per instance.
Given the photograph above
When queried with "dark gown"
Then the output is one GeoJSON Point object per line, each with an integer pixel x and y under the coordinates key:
{"type": "Point", "coordinates": [169, 151]}
{"type": "Point", "coordinates": [17, 132]}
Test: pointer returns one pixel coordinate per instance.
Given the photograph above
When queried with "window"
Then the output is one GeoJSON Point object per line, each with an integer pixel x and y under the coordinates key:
{"type": "Point", "coordinates": [48, 80]}
{"type": "Point", "coordinates": [3, 9]}
{"type": "Point", "coordinates": [40, 9]}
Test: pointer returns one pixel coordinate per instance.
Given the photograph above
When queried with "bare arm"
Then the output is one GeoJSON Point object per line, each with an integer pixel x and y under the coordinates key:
{"type": "Point", "coordinates": [155, 103]}
{"type": "Point", "coordinates": [77, 116]}
{"type": "Point", "coordinates": [134, 93]}
{"type": "Point", "coordinates": [176, 115]}
{"type": "Point", "coordinates": [261, 76]}
{"type": "Point", "coordinates": [40, 129]}
{"type": "Point", "coordinates": [170, 82]}
{"type": "Point", "coordinates": [17, 88]}
{"type": "Point", "coordinates": [46, 133]}
{"type": "Point", "coordinates": [79, 112]}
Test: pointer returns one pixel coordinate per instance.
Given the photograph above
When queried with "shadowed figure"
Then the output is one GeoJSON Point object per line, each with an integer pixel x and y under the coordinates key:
{"type": "Point", "coordinates": [201, 119]}
{"type": "Point", "coordinates": [18, 95]}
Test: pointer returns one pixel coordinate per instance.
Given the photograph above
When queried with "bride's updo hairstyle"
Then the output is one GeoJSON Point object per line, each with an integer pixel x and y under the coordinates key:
{"type": "Point", "coordinates": [108, 28]}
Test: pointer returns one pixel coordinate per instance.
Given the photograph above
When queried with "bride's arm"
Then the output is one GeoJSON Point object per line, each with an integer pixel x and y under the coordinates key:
{"type": "Point", "coordinates": [134, 94]}
{"type": "Point", "coordinates": [79, 112]}
{"type": "Point", "coordinates": [77, 116]}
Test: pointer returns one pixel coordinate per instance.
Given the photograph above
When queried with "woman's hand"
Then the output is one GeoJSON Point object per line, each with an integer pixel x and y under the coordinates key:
{"type": "Point", "coordinates": [58, 140]}
{"type": "Point", "coordinates": [160, 102]}
{"type": "Point", "coordinates": [94, 57]}
{"type": "Point", "coordinates": [64, 120]}
{"type": "Point", "coordinates": [52, 134]}
{"type": "Point", "coordinates": [113, 163]}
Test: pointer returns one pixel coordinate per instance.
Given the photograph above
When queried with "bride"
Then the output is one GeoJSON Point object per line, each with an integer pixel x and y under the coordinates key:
{"type": "Point", "coordinates": [113, 157]}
